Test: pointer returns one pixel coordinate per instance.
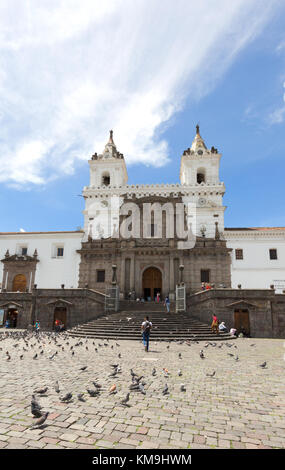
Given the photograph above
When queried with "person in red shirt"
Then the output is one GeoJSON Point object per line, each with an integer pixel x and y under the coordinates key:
{"type": "Point", "coordinates": [56, 323]}
{"type": "Point", "coordinates": [215, 324]}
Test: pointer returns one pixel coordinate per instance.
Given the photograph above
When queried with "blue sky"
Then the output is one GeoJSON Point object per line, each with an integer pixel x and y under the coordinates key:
{"type": "Point", "coordinates": [63, 88]}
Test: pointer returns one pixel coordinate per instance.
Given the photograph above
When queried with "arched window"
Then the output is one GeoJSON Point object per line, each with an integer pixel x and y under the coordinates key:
{"type": "Point", "coordinates": [106, 179]}
{"type": "Point", "coordinates": [201, 176]}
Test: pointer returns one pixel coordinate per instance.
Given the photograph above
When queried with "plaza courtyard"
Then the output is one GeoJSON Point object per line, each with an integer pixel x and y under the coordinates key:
{"type": "Point", "coordinates": [241, 406]}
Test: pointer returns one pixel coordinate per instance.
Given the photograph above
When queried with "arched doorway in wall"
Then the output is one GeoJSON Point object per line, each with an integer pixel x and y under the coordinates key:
{"type": "Point", "coordinates": [242, 324]}
{"type": "Point", "coordinates": [19, 283]}
{"type": "Point", "coordinates": [59, 317]}
{"type": "Point", "coordinates": [151, 283]}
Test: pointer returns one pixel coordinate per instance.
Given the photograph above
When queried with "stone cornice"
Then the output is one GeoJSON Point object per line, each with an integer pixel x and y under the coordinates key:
{"type": "Point", "coordinates": [254, 235]}
{"type": "Point", "coordinates": [164, 190]}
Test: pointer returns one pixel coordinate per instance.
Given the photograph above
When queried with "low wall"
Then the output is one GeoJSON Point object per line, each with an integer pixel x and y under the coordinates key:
{"type": "Point", "coordinates": [266, 309]}
{"type": "Point", "coordinates": [82, 305]}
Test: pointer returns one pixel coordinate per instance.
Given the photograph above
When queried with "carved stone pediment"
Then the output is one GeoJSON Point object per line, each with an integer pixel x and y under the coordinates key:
{"type": "Point", "coordinates": [19, 258]}
{"type": "Point", "coordinates": [60, 303]}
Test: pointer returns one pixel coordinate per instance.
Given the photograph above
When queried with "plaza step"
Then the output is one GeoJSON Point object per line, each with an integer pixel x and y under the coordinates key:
{"type": "Point", "coordinates": [166, 327]}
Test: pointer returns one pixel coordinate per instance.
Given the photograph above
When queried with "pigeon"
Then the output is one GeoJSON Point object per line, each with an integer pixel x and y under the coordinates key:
{"type": "Point", "coordinates": [202, 354]}
{"type": "Point", "coordinates": [35, 403]}
{"type": "Point", "coordinates": [263, 365]}
{"type": "Point", "coordinates": [83, 368]}
{"type": "Point", "coordinates": [35, 356]}
{"type": "Point", "coordinates": [80, 397]}
{"type": "Point", "coordinates": [92, 393]}
{"type": "Point", "coordinates": [211, 375]}
{"type": "Point", "coordinates": [179, 373]}
{"type": "Point", "coordinates": [133, 374]}
{"type": "Point", "coordinates": [153, 372]}
{"type": "Point", "coordinates": [113, 373]}
{"type": "Point", "coordinates": [56, 387]}
{"type": "Point", "coordinates": [113, 389]}
{"type": "Point", "coordinates": [41, 391]}
{"type": "Point", "coordinates": [125, 400]}
{"type": "Point", "coordinates": [180, 356]}
{"type": "Point", "coordinates": [182, 388]}
{"type": "Point", "coordinates": [141, 388]}
{"type": "Point", "coordinates": [41, 420]}
{"type": "Point", "coordinates": [96, 385]}
{"type": "Point", "coordinates": [36, 412]}
{"type": "Point", "coordinates": [66, 397]}
{"type": "Point", "coordinates": [165, 390]}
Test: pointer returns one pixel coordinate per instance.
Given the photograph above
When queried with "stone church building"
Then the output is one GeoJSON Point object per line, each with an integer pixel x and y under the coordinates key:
{"type": "Point", "coordinates": [150, 237]}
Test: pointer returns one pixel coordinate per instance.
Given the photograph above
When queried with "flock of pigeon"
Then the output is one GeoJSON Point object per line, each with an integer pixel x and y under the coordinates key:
{"type": "Point", "coordinates": [24, 342]}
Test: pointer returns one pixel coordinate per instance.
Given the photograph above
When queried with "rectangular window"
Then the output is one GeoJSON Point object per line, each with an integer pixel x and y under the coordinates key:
{"type": "Point", "coordinates": [59, 251]}
{"type": "Point", "coordinates": [24, 250]}
{"type": "Point", "coordinates": [239, 253]}
{"type": "Point", "coordinates": [101, 276]}
{"type": "Point", "coordinates": [273, 253]}
{"type": "Point", "coordinates": [205, 275]}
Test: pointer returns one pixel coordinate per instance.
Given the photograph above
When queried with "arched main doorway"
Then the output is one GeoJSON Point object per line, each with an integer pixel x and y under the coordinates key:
{"type": "Point", "coordinates": [19, 283]}
{"type": "Point", "coordinates": [151, 283]}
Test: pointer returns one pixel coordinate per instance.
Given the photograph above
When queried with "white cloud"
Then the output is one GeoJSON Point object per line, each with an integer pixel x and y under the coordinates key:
{"type": "Point", "coordinates": [70, 73]}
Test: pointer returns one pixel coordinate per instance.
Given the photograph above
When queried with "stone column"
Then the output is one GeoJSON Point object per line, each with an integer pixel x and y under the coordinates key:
{"type": "Point", "coordinates": [171, 278]}
{"type": "Point", "coordinates": [122, 278]}
{"type": "Point", "coordinates": [132, 273]}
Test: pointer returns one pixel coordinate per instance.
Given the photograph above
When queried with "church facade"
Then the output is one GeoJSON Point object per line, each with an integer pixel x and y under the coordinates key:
{"type": "Point", "coordinates": [149, 232]}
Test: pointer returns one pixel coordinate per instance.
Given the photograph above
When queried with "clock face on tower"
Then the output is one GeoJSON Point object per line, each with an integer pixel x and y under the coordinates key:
{"type": "Point", "coordinates": [200, 152]}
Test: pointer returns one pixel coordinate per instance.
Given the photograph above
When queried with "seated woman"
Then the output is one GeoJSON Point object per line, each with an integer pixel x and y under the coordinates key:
{"type": "Point", "coordinates": [222, 326]}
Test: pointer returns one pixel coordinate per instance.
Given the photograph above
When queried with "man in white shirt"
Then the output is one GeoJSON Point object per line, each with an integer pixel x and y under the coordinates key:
{"type": "Point", "coordinates": [146, 327]}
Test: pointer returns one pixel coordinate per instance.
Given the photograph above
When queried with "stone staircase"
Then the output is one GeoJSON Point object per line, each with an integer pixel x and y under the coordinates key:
{"type": "Point", "coordinates": [166, 326]}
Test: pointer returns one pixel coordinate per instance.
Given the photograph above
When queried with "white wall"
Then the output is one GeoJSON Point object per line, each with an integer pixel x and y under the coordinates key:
{"type": "Point", "coordinates": [257, 270]}
{"type": "Point", "coordinates": [51, 272]}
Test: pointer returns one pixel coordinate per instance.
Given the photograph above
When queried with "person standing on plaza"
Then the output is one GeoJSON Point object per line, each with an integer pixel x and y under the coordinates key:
{"type": "Point", "coordinates": [37, 326]}
{"type": "Point", "coordinates": [158, 296]}
{"type": "Point", "coordinates": [146, 327]}
{"type": "Point", "coordinates": [167, 303]}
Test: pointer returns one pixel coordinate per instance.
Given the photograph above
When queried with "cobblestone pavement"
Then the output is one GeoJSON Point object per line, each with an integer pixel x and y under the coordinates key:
{"type": "Point", "coordinates": [241, 407]}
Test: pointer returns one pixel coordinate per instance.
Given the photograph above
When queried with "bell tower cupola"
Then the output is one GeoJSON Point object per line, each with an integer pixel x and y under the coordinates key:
{"type": "Point", "coordinates": [108, 168]}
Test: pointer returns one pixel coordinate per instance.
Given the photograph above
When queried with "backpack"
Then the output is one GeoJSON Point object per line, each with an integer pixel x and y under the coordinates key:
{"type": "Point", "coordinates": [147, 327]}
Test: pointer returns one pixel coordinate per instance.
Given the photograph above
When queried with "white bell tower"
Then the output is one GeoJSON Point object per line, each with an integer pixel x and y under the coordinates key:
{"type": "Point", "coordinates": [199, 176]}
{"type": "Point", "coordinates": [109, 168]}
{"type": "Point", "coordinates": [108, 175]}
